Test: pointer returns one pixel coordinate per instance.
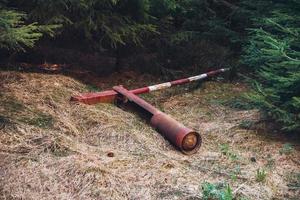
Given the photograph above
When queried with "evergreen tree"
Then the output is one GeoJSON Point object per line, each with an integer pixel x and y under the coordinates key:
{"type": "Point", "coordinates": [107, 23]}
{"type": "Point", "coordinates": [16, 34]}
{"type": "Point", "coordinates": [273, 52]}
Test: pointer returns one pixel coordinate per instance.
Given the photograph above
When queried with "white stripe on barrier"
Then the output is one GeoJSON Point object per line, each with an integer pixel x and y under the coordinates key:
{"type": "Point", "coordinates": [195, 78]}
{"type": "Point", "coordinates": [224, 70]}
{"type": "Point", "coordinates": [159, 86]}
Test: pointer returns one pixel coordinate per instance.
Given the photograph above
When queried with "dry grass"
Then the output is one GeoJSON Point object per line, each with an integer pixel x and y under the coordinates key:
{"type": "Point", "coordinates": [51, 149]}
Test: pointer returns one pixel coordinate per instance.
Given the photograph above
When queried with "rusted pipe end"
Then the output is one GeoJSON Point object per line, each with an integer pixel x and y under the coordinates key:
{"type": "Point", "coordinates": [191, 143]}
{"type": "Point", "coordinates": [186, 140]}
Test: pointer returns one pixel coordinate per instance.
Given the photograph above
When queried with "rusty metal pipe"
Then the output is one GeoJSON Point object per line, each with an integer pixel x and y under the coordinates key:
{"type": "Point", "coordinates": [110, 95]}
{"type": "Point", "coordinates": [185, 139]}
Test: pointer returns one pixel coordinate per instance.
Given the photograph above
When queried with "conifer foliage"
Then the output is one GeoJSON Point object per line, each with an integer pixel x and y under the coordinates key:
{"type": "Point", "coordinates": [15, 34]}
{"type": "Point", "coordinates": [273, 52]}
{"type": "Point", "coordinates": [107, 23]}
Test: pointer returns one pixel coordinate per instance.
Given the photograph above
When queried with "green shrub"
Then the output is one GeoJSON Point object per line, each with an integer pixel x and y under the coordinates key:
{"type": "Point", "coordinates": [99, 23]}
{"type": "Point", "coordinates": [273, 52]}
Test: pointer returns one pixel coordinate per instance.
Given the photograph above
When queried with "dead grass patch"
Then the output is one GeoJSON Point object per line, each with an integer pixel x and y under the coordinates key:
{"type": "Point", "coordinates": [69, 159]}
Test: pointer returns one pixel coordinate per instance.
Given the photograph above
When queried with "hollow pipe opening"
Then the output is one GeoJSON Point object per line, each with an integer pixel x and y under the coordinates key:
{"type": "Point", "coordinates": [185, 139]}
{"type": "Point", "coordinates": [191, 142]}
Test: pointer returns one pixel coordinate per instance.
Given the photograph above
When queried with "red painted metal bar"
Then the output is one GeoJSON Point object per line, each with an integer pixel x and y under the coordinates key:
{"type": "Point", "coordinates": [137, 100]}
{"type": "Point", "coordinates": [110, 95]}
{"type": "Point", "coordinates": [185, 139]}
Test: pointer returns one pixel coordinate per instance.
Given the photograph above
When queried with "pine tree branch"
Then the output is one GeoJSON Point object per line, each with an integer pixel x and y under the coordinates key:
{"type": "Point", "coordinates": [288, 57]}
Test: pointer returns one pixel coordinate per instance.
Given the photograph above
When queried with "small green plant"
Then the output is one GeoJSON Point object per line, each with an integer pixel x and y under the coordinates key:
{"type": "Point", "coordinates": [286, 149]}
{"type": "Point", "coordinates": [233, 156]}
{"type": "Point", "coordinates": [225, 150]}
{"type": "Point", "coordinates": [261, 175]}
{"type": "Point", "coordinates": [219, 191]}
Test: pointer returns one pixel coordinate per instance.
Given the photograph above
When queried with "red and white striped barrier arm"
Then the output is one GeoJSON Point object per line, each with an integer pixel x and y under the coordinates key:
{"type": "Point", "coordinates": [185, 80]}
{"type": "Point", "coordinates": [109, 95]}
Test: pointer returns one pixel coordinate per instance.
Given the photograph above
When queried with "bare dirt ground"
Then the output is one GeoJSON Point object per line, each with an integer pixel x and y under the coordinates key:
{"type": "Point", "coordinates": [52, 149]}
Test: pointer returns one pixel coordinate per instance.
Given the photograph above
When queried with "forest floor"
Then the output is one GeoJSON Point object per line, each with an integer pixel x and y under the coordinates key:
{"type": "Point", "coordinates": [53, 149]}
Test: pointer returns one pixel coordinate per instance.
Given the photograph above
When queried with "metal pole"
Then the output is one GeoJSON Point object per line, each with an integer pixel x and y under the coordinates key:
{"type": "Point", "coordinates": [110, 95]}
{"type": "Point", "coordinates": [185, 139]}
